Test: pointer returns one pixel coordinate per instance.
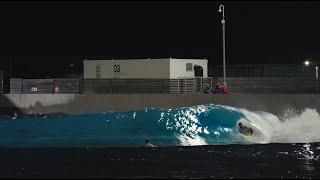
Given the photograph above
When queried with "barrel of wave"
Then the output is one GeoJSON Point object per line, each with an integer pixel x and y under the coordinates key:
{"type": "Point", "coordinates": [221, 125]}
{"type": "Point", "coordinates": [262, 123]}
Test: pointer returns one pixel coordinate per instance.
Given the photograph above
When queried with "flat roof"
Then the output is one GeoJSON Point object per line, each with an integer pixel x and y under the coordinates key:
{"type": "Point", "coordinates": [144, 59]}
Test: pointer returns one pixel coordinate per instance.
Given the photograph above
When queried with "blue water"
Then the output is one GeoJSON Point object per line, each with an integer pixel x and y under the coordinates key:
{"type": "Point", "coordinates": [282, 147]}
{"type": "Point", "coordinates": [198, 125]}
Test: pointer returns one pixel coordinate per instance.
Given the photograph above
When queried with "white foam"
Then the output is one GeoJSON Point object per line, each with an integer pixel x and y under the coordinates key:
{"type": "Point", "coordinates": [301, 128]}
{"type": "Point", "coordinates": [294, 128]}
{"type": "Point", "coordinates": [188, 141]}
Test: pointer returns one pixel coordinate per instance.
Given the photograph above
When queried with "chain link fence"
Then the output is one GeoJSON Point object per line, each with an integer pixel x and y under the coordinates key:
{"type": "Point", "coordinates": [1, 82]}
{"type": "Point", "coordinates": [45, 86]}
{"type": "Point", "coordinates": [266, 71]}
{"type": "Point", "coordinates": [163, 86]}
{"type": "Point", "coordinates": [272, 85]}
{"type": "Point", "coordinates": [269, 78]}
{"type": "Point", "coordinates": [240, 79]}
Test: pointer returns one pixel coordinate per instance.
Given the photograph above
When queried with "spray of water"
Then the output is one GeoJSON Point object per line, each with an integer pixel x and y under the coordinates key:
{"type": "Point", "coordinates": [294, 128]}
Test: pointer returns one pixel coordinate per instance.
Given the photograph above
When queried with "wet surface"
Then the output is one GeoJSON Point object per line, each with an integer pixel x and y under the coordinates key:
{"type": "Point", "coordinates": [224, 161]}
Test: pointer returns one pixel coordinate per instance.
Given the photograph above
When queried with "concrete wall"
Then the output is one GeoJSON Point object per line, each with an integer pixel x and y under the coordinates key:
{"type": "Point", "coordinates": [90, 103]}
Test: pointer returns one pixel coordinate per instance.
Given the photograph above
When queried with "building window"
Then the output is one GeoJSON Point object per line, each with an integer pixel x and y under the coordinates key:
{"type": "Point", "coordinates": [189, 66]}
{"type": "Point", "coordinates": [98, 71]}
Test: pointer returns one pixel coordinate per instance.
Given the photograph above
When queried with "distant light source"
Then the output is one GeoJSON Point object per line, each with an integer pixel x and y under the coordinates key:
{"type": "Point", "coordinates": [306, 62]}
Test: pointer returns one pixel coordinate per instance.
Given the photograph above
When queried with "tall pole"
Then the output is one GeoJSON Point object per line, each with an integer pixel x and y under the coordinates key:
{"type": "Point", "coordinates": [317, 79]}
{"type": "Point", "coordinates": [10, 66]}
{"type": "Point", "coordinates": [221, 9]}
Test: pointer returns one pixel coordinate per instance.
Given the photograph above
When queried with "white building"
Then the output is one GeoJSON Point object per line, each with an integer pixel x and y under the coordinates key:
{"type": "Point", "coordinates": [168, 68]}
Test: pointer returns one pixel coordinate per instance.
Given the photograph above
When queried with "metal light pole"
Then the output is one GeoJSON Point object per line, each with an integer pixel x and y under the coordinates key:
{"type": "Point", "coordinates": [221, 9]}
{"type": "Point", "coordinates": [317, 79]}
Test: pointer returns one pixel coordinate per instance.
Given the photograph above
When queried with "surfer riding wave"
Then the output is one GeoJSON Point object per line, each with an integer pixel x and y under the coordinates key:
{"type": "Point", "coordinates": [247, 131]}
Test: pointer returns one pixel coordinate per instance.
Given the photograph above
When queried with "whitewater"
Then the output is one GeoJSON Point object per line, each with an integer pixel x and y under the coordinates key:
{"type": "Point", "coordinates": [207, 124]}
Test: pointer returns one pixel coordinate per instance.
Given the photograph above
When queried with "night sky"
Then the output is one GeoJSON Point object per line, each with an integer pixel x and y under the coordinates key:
{"type": "Point", "coordinates": [42, 39]}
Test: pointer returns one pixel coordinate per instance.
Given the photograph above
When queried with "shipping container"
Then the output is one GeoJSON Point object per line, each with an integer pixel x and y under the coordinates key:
{"type": "Point", "coordinates": [169, 68]}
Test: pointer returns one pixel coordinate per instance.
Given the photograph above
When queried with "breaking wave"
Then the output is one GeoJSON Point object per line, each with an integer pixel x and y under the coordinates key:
{"type": "Point", "coordinates": [208, 124]}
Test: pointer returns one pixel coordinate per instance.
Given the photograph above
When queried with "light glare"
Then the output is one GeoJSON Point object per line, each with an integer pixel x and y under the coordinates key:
{"type": "Point", "coordinates": [307, 63]}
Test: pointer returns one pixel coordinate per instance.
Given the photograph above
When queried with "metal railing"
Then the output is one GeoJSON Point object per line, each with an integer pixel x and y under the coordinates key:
{"type": "Point", "coordinates": [144, 86]}
{"type": "Point", "coordinates": [109, 86]}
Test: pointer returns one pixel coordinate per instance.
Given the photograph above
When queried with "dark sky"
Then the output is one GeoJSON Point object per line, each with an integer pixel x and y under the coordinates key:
{"type": "Point", "coordinates": [43, 38]}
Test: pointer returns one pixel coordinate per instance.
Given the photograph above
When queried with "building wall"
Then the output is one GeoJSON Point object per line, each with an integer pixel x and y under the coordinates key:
{"type": "Point", "coordinates": [178, 68]}
{"type": "Point", "coordinates": [143, 68]}
{"type": "Point", "coordinates": [89, 69]}
{"type": "Point", "coordinates": [128, 69]}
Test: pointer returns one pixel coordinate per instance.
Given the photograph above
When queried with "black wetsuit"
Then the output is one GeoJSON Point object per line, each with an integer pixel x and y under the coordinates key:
{"type": "Point", "coordinates": [245, 130]}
